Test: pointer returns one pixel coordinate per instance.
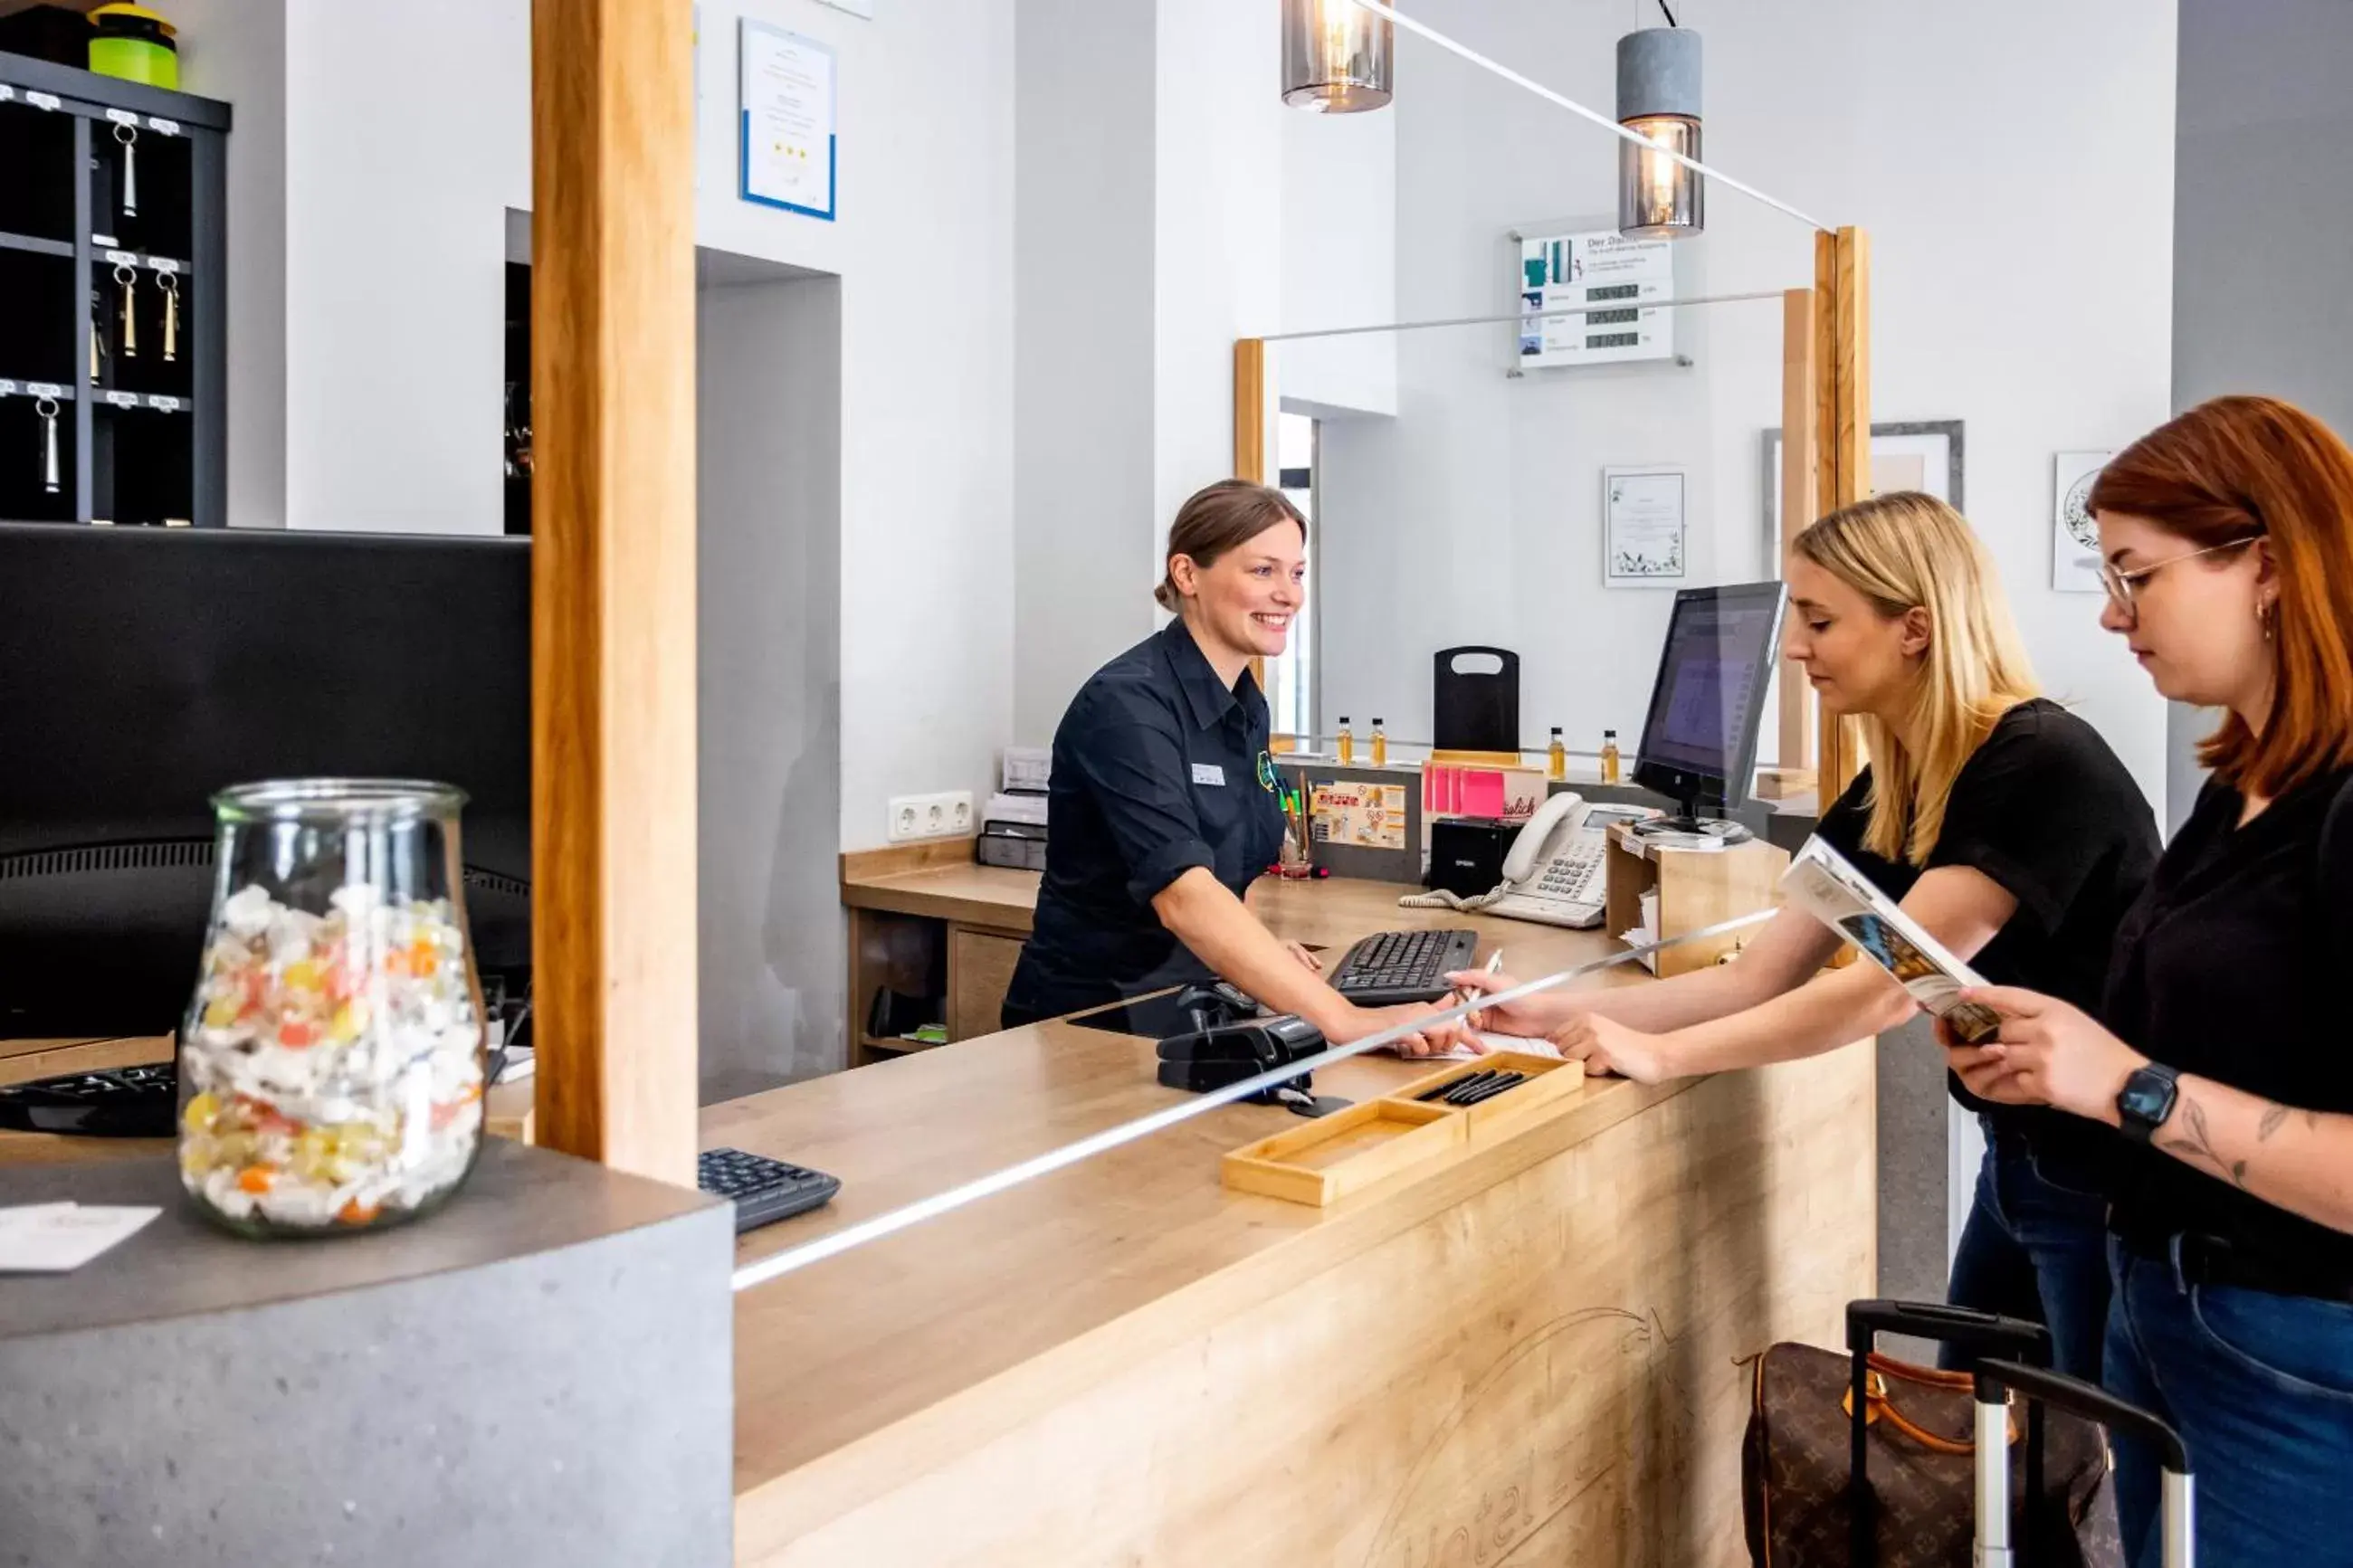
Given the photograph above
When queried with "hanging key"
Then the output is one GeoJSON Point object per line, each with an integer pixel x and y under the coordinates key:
{"type": "Point", "coordinates": [46, 408]}
{"type": "Point", "coordinates": [129, 278]}
{"type": "Point", "coordinates": [97, 336]}
{"type": "Point", "coordinates": [129, 138]}
{"type": "Point", "coordinates": [170, 283]}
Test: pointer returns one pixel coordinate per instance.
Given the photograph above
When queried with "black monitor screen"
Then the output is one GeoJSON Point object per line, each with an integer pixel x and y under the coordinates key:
{"type": "Point", "coordinates": [1700, 739]}
{"type": "Point", "coordinates": [142, 669]}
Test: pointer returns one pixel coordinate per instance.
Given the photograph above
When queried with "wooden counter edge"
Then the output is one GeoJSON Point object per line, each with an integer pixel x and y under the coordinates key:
{"type": "Point", "coordinates": [771, 1511]}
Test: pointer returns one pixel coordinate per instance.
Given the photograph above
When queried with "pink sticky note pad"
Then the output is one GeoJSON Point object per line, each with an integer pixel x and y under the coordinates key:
{"type": "Point", "coordinates": [1482, 793]}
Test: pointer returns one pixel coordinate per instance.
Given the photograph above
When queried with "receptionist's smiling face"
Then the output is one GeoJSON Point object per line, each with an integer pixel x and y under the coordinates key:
{"type": "Point", "coordinates": [1859, 659]}
{"type": "Point", "coordinates": [1247, 598]}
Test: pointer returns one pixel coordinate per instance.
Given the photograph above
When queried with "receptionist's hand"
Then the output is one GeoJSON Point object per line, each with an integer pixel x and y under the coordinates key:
{"type": "Point", "coordinates": [1307, 960]}
{"type": "Point", "coordinates": [1436, 1040]}
{"type": "Point", "coordinates": [1612, 1047]}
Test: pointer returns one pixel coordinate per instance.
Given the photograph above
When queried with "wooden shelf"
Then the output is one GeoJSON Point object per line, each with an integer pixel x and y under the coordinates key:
{"type": "Point", "coordinates": [36, 245]}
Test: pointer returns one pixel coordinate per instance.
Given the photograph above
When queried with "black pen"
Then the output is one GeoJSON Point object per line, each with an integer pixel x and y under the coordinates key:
{"type": "Point", "coordinates": [1455, 1085]}
{"type": "Point", "coordinates": [1461, 1088]}
{"type": "Point", "coordinates": [1494, 1087]}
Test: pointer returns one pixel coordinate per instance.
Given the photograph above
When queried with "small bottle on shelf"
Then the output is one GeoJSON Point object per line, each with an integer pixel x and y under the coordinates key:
{"type": "Point", "coordinates": [1347, 743]}
{"type": "Point", "coordinates": [1609, 756]}
{"type": "Point", "coordinates": [1380, 745]}
{"type": "Point", "coordinates": [1555, 757]}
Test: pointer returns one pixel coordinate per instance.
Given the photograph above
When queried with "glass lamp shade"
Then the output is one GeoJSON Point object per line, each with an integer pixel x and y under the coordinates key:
{"type": "Point", "coordinates": [1337, 59]}
{"type": "Point", "coordinates": [1657, 198]}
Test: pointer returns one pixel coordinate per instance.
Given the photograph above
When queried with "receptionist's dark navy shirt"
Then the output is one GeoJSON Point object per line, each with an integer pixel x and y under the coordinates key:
{"type": "Point", "coordinates": [1158, 768]}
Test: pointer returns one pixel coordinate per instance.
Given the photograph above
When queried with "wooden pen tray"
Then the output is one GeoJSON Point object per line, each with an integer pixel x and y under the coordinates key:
{"type": "Point", "coordinates": [1325, 1160]}
{"type": "Point", "coordinates": [1548, 1081]}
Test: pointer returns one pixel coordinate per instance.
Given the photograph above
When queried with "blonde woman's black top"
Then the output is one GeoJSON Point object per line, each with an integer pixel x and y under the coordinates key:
{"type": "Point", "coordinates": [2046, 811]}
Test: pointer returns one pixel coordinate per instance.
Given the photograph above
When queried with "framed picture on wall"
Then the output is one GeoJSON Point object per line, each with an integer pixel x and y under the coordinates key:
{"type": "Point", "coordinates": [1922, 455]}
{"type": "Point", "coordinates": [1645, 539]}
{"type": "Point", "coordinates": [2074, 538]}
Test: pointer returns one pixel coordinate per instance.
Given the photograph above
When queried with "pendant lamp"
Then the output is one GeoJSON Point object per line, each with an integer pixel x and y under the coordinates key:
{"type": "Point", "coordinates": [1658, 96]}
{"type": "Point", "coordinates": [1335, 57]}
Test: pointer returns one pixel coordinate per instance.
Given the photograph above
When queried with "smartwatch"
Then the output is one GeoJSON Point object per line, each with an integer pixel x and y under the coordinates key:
{"type": "Point", "coordinates": [2147, 1099]}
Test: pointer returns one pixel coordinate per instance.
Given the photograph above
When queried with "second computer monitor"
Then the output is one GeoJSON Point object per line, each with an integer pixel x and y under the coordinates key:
{"type": "Point", "coordinates": [1699, 743]}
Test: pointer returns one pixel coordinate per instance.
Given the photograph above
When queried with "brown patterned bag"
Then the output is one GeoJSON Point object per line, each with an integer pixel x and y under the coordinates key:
{"type": "Point", "coordinates": [1921, 1470]}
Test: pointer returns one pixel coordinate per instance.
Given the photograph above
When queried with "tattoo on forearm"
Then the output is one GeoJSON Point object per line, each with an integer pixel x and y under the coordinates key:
{"type": "Point", "coordinates": [2270, 1123]}
{"type": "Point", "coordinates": [2199, 1142]}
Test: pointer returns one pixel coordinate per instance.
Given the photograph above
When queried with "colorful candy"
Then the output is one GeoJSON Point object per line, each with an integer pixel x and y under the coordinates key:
{"type": "Point", "coordinates": [332, 1063]}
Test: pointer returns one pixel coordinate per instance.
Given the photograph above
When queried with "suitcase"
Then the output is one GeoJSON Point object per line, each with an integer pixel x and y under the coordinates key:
{"type": "Point", "coordinates": [1863, 1461]}
{"type": "Point", "coordinates": [1995, 1380]}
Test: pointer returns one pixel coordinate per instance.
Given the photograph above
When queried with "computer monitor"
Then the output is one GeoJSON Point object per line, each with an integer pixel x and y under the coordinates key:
{"type": "Point", "coordinates": [142, 670]}
{"type": "Point", "coordinates": [1699, 743]}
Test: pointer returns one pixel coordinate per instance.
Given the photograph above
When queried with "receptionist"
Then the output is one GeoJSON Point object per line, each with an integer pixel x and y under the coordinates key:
{"type": "Point", "coordinates": [1162, 808]}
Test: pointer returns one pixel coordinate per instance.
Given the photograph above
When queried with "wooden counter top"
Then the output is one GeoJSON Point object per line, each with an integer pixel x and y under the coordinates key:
{"type": "Point", "coordinates": [978, 895]}
{"type": "Point", "coordinates": [926, 1345]}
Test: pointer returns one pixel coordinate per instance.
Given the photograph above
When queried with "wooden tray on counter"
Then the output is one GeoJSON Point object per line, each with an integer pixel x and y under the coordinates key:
{"type": "Point", "coordinates": [1325, 1160]}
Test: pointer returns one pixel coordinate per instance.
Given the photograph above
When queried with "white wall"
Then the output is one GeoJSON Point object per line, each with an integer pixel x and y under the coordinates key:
{"type": "Point", "coordinates": [235, 50]}
{"type": "Point", "coordinates": [404, 152]}
{"type": "Point", "coordinates": [1084, 222]}
{"type": "Point", "coordinates": [408, 137]}
{"type": "Point", "coordinates": [1339, 261]}
{"type": "Point", "coordinates": [1218, 193]}
{"type": "Point", "coordinates": [768, 479]}
{"type": "Point", "coordinates": [2022, 284]}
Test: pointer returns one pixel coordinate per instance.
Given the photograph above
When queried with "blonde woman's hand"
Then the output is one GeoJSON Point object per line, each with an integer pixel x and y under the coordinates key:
{"type": "Point", "coordinates": [1605, 1046]}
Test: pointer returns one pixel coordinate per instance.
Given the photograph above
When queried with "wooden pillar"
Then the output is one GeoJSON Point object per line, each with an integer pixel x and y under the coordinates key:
{"type": "Point", "coordinates": [1843, 469]}
{"type": "Point", "coordinates": [1249, 411]}
{"type": "Point", "coordinates": [1249, 449]}
{"type": "Point", "coordinates": [1799, 444]}
{"type": "Point", "coordinates": [613, 605]}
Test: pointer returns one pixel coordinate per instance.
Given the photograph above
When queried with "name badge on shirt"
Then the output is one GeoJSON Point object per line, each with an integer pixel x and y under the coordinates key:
{"type": "Point", "coordinates": [1208, 773]}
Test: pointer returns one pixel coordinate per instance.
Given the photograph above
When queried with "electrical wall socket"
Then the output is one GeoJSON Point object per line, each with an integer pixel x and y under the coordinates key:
{"type": "Point", "coordinates": [939, 815]}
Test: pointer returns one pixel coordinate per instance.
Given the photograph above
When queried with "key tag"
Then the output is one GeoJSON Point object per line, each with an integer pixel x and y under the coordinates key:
{"type": "Point", "coordinates": [129, 138]}
{"type": "Point", "coordinates": [46, 408]}
{"type": "Point", "coordinates": [129, 278]}
{"type": "Point", "coordinates": [170, 283]}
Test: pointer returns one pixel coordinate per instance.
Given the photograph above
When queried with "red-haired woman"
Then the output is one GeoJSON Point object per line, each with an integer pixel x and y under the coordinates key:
{"type": "Point", "coordinates": [2227, 545]}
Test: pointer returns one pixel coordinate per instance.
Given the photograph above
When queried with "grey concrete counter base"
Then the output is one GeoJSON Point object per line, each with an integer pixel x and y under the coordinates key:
{"type": "Point", "coordinates": [541, 1373]}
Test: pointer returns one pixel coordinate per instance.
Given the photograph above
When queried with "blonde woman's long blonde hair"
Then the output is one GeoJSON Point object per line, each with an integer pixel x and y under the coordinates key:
{"type": "Point", "coordinates": [1906, 551]}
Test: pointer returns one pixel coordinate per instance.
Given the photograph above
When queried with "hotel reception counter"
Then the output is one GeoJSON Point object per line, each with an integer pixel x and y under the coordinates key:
{"type": "Point", "coordinates": [1532, 1354]}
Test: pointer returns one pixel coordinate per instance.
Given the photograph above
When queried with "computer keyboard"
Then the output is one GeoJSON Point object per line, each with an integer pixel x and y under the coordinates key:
{"type": "Point", "coordinates": [141, 1102]}
{"type": "Point", "coordinates": [763, 1190]}
{"type": "Point", "coordinates": [1394, 966]}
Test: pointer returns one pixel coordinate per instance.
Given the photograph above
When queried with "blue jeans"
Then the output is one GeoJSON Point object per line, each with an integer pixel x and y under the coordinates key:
{"type": "Point", "coordinates": [2261, 1388]}
{"type": "Point", "coordinates": [2036, 1250]}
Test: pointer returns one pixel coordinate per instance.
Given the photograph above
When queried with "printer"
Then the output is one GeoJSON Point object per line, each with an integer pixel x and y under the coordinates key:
{"type": "Point", "coordinates": [1013, 827]}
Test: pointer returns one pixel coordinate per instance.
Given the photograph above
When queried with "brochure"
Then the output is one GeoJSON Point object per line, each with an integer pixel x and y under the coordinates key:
{"type": "Point", "coordinates": [1825, 884]}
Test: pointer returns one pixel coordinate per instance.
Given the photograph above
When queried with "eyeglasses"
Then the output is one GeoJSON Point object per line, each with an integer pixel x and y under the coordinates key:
{"type": "Point", "coordinates": [2123, 586]}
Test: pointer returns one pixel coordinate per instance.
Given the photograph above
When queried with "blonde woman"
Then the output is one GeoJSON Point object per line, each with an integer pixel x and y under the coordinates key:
{"type": "Point", "coordinates": [2001, 822]}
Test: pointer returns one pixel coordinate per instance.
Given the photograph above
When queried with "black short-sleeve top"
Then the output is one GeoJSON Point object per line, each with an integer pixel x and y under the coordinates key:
{"type": "Point", "coordinates": [2048, 812]}
{"type": "Point", "coordinates": [1158, 767]}
{"type": "Point", "coordinates": [2233, 966]}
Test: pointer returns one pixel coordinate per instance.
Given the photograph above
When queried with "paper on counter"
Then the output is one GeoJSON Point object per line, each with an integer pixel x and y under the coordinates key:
{"type": "Point", "coordinates": [1534, 1046]}
{"type": "Point", "coordinates": [57, 1239]}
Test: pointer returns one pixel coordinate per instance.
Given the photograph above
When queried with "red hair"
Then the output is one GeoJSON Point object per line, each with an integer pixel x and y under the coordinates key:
{"type": "Point", "coordinates": [2256, 467]}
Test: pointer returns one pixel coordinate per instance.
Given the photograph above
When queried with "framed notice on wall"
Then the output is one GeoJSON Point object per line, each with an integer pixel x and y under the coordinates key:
{"type": "Point", "coordinates": [2075, 537]}
{"type": "Point", "coordinates": [1616, 284]}
{"type": "Point", "coordinates": [1644, 541]}
{"type": "Point", "coordinates": [785, 150]}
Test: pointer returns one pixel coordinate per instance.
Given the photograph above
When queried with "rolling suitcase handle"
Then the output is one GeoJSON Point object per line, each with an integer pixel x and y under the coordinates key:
{"type": "Point", "coordinates": [1964, 1326]}
{"type": "Point", "coordinates": [2092, 1404]}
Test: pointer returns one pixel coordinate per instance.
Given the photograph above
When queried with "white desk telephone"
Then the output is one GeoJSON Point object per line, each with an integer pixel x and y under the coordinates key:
{"type": "Point", "coordinates": [1554, 873]}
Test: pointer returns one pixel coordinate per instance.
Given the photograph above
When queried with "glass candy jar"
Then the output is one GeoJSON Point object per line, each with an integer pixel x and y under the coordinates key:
{"type": "Point", "coordinates": [332, 1064]}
